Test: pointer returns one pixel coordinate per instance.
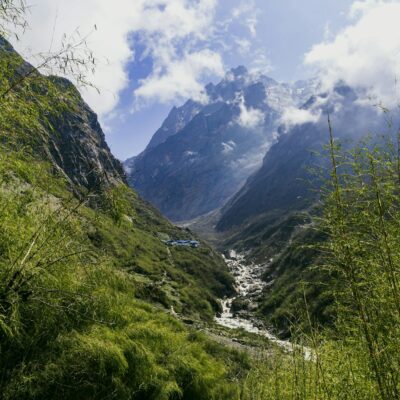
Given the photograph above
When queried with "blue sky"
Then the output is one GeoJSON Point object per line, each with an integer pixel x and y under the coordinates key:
{"type": "Point", "coordinates": [284, 32]}
{"type": "Point", "coordinates": [154, 54]}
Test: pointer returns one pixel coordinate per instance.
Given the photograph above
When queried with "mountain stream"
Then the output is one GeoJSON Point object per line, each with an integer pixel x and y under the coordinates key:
{"type": "Point", "coordinates": [249, 286]}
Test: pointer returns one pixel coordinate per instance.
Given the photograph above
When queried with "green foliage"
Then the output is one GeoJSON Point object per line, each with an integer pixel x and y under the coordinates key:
{"type": "Point", "coordinates": [336, 373]}
{"type": "Point", "coordinates": [290, 247]}
{"type": "Point", "coordinates": [267, 234]}
{"type": "Point", "coordinates": [70, 324]}
{"type": "Point", "coordinates": [297, 273]}
{"type": "Point", "coordinates": [12, 16]}
{"type": "Point", "coordinates": [85, 281]}
{"type": "Point", "coordinates": [361, 218]}
{"type": "Point", "coordinates": [358, 357]}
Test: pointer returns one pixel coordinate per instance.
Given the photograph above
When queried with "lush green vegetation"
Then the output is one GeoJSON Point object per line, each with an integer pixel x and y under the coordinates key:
{"type": "Point", "coordinates": [358, 357]}
{"type": "Point", "coordinates": [70, 324]}
{"type": "Point", "coordinates": [86, 282]}
{"type": "Point", "coordinates": [297, 275]}
{"type": "Point", "coordinates": [289, 246]}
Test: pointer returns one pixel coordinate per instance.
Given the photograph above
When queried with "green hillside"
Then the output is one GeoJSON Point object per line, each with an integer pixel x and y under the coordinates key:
{"type": "Point", "coordinates": [92, 300]}
{"type": "Point", "coordinates": [86, 282]}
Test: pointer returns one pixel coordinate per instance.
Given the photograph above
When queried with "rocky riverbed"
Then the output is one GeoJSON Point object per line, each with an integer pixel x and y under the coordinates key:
{"type": "Point", "coordinates": [239, 311]}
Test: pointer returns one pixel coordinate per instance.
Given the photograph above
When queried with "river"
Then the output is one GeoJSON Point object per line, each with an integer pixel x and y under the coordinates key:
{"type": "Point", "coordinates": [249, 285]}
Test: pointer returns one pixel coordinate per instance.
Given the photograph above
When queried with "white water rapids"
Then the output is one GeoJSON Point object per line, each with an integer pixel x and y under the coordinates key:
{"type": "Point", "coordinates": [249, 285]}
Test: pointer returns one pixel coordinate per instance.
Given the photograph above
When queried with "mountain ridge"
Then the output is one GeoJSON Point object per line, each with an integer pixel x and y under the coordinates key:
{"type": "Point", "coordinates": [214, 158]}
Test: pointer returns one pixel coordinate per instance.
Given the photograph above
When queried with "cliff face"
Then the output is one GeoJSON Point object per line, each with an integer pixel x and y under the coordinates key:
{"type": "Point", "coordinates": [203, 153]}
{"type": "Point", "coordinates": [287, 180]}
{"type": "Point", "coordinates": [44, 121]}
{"type": "Point", "coordinates": [79, 148]}
{"type": "Point", "coordinates": [70, 134]}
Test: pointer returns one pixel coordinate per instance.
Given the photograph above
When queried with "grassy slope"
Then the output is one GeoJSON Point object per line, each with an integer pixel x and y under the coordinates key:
{"type": "Point", "coordinates": [85, 276]}
{"type": "Point", "coordinates": [118, 223]}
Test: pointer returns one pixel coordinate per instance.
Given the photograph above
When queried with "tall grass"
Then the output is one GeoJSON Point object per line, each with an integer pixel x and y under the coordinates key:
{"type": "Point", "coordinates": [71, 322]}
{"type": "Point", "coordinates": [70, 326]}
{"type": "Point", "coordinates": [359, 358]}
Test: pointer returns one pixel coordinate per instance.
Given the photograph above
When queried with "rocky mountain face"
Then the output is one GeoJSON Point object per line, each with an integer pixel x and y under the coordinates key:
{"type": "Point", "coordinates": [56, 128]}
{"type": "Point", "coordinates": [71, 137]}
{"type": "Point", "coordinates": [203, 153]}
{"type": "Point", "coordinates": [288, 177]}
{"type": "Point", "coordinates": [271, 217]}
{"type": "Point", "coordinates": [79, 148]}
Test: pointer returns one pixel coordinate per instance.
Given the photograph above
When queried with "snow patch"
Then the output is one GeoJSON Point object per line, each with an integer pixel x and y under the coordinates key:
{"type": "Point", "coordinates": [228, 147]}
{"type": "Point", "coordinates": [189, 153]}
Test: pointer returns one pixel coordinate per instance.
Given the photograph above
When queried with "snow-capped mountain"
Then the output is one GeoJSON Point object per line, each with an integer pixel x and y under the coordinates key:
{"type": "Point", "coordinates": [286, 181]}
{"type": "Point", "coordinates": [203, 153]}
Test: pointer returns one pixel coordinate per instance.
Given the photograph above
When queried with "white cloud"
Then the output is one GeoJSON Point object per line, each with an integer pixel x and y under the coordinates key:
{"type": "Point", "coordinates": [295, 116]}
{"type": "Point", "coordinates": [327, 31]}
{"type": "Point", "coordinates": [177, 38]}
{"type": "Point", "coordinates": [366, 54]}
{"type": "Point", "coordinates": [260, 63]}
{"type": "Point", "coordinates": [169, 30]}
{"type": "Point", "coordinates": [109, 43]}
{"type": "Point", "coordinates": [361, 6]}
{"type": "Point", "coordinates": [249, 13]}
{"type": "Point", "coordinates": [181, 78]}
{"type": "Point", "coordinates": [250, 117]}
{"type": "Point", "coordinates": [244, 46]}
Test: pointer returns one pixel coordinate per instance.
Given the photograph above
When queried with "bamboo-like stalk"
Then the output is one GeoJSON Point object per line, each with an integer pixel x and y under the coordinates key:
{"type": "Point", "coordinates": [348, 268]}
{"type": "Point", "coordinates": [390, 269]}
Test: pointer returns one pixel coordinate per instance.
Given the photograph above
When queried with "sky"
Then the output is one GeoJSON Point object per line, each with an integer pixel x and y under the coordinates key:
{"type": "Point", "coordinates": [154, 54]}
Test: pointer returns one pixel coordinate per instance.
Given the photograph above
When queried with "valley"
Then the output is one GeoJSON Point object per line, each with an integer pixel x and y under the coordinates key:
{"type": "Point", "coordinates": [250, 252]}
{"type": "Point", "coordinates": [264, 209]}
{"type": "Point", "coordinates": [249, 286]}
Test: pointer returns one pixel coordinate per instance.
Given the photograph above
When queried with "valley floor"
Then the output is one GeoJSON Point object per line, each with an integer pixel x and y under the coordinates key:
{"type": "Point", "coordinates": [249, 287]}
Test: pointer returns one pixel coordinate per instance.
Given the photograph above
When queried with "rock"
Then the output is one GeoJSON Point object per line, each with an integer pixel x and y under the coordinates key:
{"type": "Point", "coordinates": [75, 142]}
{"type": "Point", "coordinates": [232, 255]}
{"type": "Point", "coordinates": [252, 307]}
{"type": "Point", "coordinates": [80, 150]}
{"type": "Point", "coordinates": [196, 161]}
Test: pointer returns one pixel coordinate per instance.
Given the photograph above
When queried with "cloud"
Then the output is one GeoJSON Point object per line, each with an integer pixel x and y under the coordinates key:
{"type": "Point", "coordinates": [181, 78]}
{"type": "Point", "coordinates": [244, 46]}
{"type": "Point", "coordinates": [176, 38]}
{"type": "Point", "coordinates": [250, 117]}
{"type": "Point", "coordinates": [170, 30]}
{"type": "Point", "coordinates": [366, 54]}
{"type": "Point", "coordinates": [361, 6]}
{"type": "Point", "coordinates": [183, 41]}
{"type": "Point", "coordinates": [260, 63]}
{"type": "Point", "coordinates": [249, 13]}
{"type": "Point", "coordinates": [295, 116]}
{"type": "Point", "coordinates": [109, 43]}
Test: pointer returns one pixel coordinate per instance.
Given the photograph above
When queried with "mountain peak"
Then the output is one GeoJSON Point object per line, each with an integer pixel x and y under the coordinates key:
{"type": "Point", "coordinates": [239, 71]}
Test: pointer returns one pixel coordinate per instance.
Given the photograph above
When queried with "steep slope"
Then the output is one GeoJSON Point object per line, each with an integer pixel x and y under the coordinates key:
{"type": "Point", "coordinates": [288, 176]}
{"type": "Point", "coordinates": [79, 148]}
{"type": "Point", "coordinates": [82, 265]}
{"type": "Point", "coordinates": [203, 153]}
{"type": "Point", "coordinates": [270, 218]}
{"type": "Point", "coordinates": [68, 136]}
